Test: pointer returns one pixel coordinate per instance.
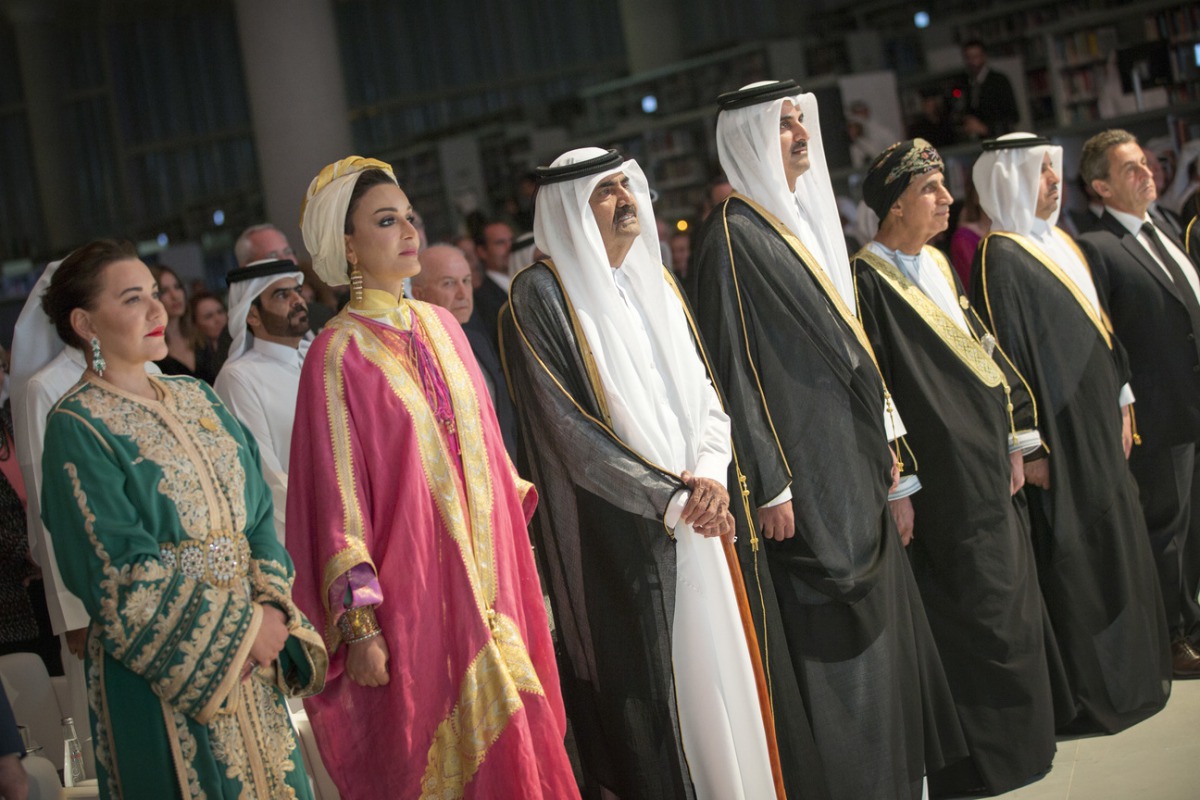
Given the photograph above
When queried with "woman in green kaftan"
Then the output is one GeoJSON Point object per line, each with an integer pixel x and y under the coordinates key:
{"type": "Point", "coordinates": [163, 527]}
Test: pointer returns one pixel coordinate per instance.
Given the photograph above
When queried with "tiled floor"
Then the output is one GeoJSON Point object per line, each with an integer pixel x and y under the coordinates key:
{"type": "Point", "coordinates": [1156, 760]}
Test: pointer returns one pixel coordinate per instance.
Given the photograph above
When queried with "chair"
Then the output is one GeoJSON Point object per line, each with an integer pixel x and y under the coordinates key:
{"type": "Point", "coordinates": [43, 779]}
{"type": "Point", "coordinates": [34, 702]}
{"type": "Point", "coordinates": [35, 705]}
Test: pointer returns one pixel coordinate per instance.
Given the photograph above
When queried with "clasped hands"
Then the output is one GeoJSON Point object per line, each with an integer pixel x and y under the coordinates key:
{"type": "Point", "coordinates": [269, 641]}
{"type": "Point", "coordinates": [707, 510]}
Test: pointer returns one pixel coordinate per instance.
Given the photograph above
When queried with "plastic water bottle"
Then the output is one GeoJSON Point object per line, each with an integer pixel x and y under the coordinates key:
{"type": "Point", "coordinates": [72, 754]}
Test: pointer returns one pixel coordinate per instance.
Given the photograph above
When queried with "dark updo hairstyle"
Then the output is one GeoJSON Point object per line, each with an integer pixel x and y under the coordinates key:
{"type": "Point", "coordinates": [367, 179]}
{"type": "Point", "coordinates": [78, 283]}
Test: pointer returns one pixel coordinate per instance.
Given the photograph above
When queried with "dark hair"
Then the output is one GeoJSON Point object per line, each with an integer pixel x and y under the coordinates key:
{"type": "Point", "coordinates": [481, 234]}
{"type": "Point", "coordinates": [367, 179]}
{"type": "Point", "coordinates": [199, 340]}
{"type": "Point", "coordinates": [1093, 160]}
{"type": "Point", "coordinates": [78, 283]}
{"type": "Point", "coordinates": [185, 322]}
{"type": "Point", "coordinates": [974, 43]}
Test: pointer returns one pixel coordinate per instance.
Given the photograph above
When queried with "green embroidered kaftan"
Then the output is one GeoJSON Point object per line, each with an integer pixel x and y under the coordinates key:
{"type": "Point", "coordinates": [163, 527]}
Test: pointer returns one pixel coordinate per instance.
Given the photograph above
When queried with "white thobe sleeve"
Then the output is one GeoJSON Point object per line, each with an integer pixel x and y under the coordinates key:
{"type": "Point", "coordinates": [1126, 397]}
{"type": "Point", "coordinates": [249, 405]}
{"type": "Point", "coordinates": [67, 612]}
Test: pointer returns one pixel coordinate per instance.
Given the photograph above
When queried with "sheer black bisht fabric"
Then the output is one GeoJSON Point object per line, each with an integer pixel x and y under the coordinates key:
{"type": "Point", "coordinates": [609, 564]}
{"type": "Point", "coordinates": [806, 403]}
{"type": "Point", "coordinates": [971, 553]}
{"type": "Point", "coordinates": [1090, 542]}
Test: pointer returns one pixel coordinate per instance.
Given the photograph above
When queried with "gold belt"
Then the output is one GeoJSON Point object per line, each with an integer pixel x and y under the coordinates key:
{"type": "Point", "coordinates": [221, 559]}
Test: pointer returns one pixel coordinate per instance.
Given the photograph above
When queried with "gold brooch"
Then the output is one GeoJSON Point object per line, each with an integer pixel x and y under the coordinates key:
{"type": "Point", "coordinates": [962, 301]}
{"type": "Point", "coordinates": [209, 424]}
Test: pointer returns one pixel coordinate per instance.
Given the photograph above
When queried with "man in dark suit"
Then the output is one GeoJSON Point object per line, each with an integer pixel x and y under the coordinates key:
{"type": "Point", "coordinates": [445, 280]}
{"type": "Point", "coordinates": [1153, 290]}
{"type": "Point", "coordinates": [991, 107]}
{"type": "Point", "coordinates": [493, 246]}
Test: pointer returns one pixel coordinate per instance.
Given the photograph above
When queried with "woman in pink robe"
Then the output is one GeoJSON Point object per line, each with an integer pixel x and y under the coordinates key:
{"type": "Point", "coordinates": [407, 523]}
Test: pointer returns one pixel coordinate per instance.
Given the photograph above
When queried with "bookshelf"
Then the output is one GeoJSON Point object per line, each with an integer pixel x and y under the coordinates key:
{"type": "Point", "coordinates": [673, 138]}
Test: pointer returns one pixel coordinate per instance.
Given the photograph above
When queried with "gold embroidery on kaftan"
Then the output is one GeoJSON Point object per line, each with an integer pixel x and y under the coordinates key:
{"type": "Point", "coordinates": [1100, 321]}
{"type": "Point", "coordinates": [474, 541]}
{"type": "Point", "coordinates": [102, 743]}
{"type": "Point", "coordinates": [489, 692]}
{"type": "Point", "coordinates": [183, 753]}
{"type": "Point", "coordinates": [958, 341]}
{"type": "Point", "coordinates": [200, 622]}
{"type": "Point", "coordinates": [201, 497]}
{"type": "Point", "coordinates": [353, 526]}
{"type": "Point", "coordinates": [488, 698]}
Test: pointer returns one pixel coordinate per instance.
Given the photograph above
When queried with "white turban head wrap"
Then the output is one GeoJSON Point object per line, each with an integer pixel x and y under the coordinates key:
{"type": "Point", "coordinates": [323, 215]}
{"type": "Point", "coordinates": [241, 295]}
{"type": "Point", "coordinates": [748, 148]}
{"type": "Point", "coordinates": [1008, 180]}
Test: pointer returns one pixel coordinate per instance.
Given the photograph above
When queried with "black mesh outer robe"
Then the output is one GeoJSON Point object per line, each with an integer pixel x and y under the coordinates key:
{"type": "Point", "coordinates": [970, 553]}
{"type": "Point", "coordinates": [609, 564]}
{"type": "Point", "coordinates": [1090, 542]}
{"type": "Point", "coordinates": [806, 403]}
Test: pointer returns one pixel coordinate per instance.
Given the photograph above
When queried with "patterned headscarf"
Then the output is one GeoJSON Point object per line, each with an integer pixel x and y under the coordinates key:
{"type": "Point", "coordinates": [893, 170]}
{"type": "Point", "coordinates": [323, 215]}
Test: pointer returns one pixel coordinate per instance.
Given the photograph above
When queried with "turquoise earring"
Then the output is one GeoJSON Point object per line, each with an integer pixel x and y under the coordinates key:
{"type": "Point", "coordinates": [97, 359]}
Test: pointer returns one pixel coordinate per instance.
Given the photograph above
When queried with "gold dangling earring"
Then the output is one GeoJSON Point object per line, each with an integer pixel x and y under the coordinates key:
{"type": "Point", "coordinates": [356, 283]}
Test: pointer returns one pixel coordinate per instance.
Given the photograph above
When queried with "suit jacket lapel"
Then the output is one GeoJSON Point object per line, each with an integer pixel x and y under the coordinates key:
{"type": "Point", "coordinates": [1135, 249]}
{"type": "Point", "coordinates": [1167, 224]}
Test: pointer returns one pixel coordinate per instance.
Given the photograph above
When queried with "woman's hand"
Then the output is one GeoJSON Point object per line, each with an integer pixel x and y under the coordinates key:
{"type": "Point", "coordinates": [367, 662]}
{"type": "Point", "coordinates": [271, 637]}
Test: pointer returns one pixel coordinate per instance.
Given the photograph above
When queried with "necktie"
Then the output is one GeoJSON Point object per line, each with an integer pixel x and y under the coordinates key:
{"type": "Point", "coordinates": [1164, 222]}
{"type": "Point", "coordinates": [1176, 272]}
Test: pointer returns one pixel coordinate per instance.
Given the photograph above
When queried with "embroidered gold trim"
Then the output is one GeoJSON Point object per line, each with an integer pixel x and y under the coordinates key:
{"type": "Point", "coordinates": [474, 539]}
{"type": "Point", "coordinates": [97, 692]}
{"type": "Point", "coordinates": [343, 465]}
{"type": "Point", "coordinates": [1187, 237]}
{"type": "Point", "coordinates": [1101, 321]}
{"type": "Point", "coordinates": [489, 696]}
{"type": "Point", "coordinates": [958, 341]}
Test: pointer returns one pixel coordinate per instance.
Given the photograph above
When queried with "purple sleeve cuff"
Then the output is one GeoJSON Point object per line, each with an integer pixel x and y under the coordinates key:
{"type": "Point", "coordinates": [362, 586]}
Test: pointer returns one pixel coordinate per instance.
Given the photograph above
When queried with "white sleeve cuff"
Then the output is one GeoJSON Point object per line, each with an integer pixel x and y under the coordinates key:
{"type": "Point", "coordinates": [783, 497]}
{"type": "Point", "coordinates": [908, 486]}
{"type": "Point", "coordinates": [675, 507]}
{"type": "Point", "coordinates": [1126, 397]}
{"type": "Point", "coordinates": [714, 466]}
{"type": "Point", "coordinates": [1027, 442]}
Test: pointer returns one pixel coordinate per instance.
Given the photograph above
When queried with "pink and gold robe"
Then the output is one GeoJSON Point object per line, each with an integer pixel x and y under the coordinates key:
{"type": "Point", "coordinates": [473, 706]}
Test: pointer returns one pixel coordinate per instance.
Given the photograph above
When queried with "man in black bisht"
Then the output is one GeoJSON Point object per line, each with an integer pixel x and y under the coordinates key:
{"type": "Point", "coordinates": [969, 420]}
{"type": "Point", "coordinates": [1093, 555]}
{"type": "Point", "coordinates": [601, 353]}
{"type": "Point", "coordinates": [775, 305]}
